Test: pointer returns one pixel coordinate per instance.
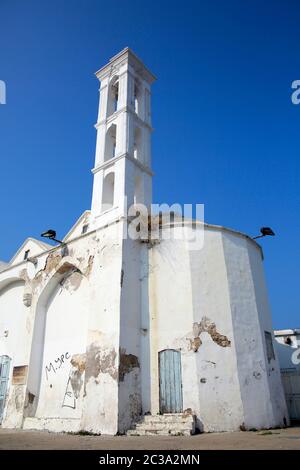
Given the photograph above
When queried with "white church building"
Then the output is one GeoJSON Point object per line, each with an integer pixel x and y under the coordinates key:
{"type": "Point", "coordinates": [108, 333]}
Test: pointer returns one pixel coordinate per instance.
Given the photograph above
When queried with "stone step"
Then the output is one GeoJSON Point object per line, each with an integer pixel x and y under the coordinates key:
{"type": "Point", "coordinates": [164, 425]}
{"type": "Point", "coordinates": [168, 418]}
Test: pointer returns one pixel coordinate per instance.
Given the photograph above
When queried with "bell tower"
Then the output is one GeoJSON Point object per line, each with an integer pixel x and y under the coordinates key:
{"type": "Point", "coordinates": [122, 172]}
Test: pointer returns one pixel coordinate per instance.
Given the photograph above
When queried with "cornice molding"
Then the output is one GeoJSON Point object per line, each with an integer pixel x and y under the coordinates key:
{"type": "Point", "coordinates": [126, 155]}
{"type": "Point", "coordinates": [123, 57]}
{"type": "Point", "coordinates": [124, 109]}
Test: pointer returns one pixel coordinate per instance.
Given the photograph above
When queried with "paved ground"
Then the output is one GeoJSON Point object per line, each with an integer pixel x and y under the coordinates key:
{"type": "Point", "coordinates": [276, 439]}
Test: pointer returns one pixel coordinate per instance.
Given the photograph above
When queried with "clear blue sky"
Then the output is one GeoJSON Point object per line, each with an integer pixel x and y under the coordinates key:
{"type": "Point", "coordinates": [226, 132]}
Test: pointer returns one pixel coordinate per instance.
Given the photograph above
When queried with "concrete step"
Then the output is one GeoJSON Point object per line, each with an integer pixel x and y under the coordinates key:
{"type": "Point", "coordinates": [164, 425]}
{"type": "Point", "coordinates": [168, 418]}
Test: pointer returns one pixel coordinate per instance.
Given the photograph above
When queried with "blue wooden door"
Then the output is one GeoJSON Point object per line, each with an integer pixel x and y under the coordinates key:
{"type": "Point", "coordinates": [4, 376]}
{"type": "Point", "coordinates": [170, 383]}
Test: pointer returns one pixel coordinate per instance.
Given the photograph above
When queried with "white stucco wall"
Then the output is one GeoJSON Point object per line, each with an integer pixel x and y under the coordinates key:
{"type": "Point", "coordinates": [288, 354]}
{"type": "Point", "coordinates": [101, 308]}
{"type": "Point", "coordinates": [70, 305]}
{"type": "Point", "coordinates": [229, 386]}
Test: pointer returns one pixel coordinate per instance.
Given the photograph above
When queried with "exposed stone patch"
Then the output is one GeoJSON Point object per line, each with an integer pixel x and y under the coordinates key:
{"type": "Point", "coordinates": [52, 261]}
{"type": "Point", "coordinates": [206, 325]}
{"type": "Point", "coordinates": [195, 343]}
{"type": "Point", "coordinates": [99, 360]}
{"type": "Point", "coordinates": [127, 363]}
{"type": "Point", "coordinates": [65, 268]}
{"type": "Point", "coordinates": [78, 361]}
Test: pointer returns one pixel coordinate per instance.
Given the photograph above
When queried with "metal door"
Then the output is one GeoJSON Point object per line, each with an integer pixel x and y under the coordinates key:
{"type": "Point", "coordinates": [4, 375]}
{"type": "Point", "coordinates": [291, 385]}
{"type": "Point", "coordinates": [170, 383]}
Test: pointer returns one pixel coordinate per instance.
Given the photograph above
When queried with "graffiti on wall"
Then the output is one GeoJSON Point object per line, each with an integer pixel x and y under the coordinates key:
{"type": "Point", "coordinates": [74, 379]}
{"type": "Point", "coordinates": [53, 366]}
{"type": "Point", "coordinates": [72, 393]}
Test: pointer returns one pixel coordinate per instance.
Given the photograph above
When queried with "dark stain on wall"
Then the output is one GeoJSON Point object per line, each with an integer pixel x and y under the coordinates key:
{"type": "Point", "coordinates": [127, 363]}
{"type": "Point", "coordinates": [100, 360]}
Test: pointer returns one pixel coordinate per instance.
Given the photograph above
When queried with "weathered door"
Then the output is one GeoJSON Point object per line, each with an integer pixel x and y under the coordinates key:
{"type": "Point", "coordinates": [170, 383]}
{"type": "Point", "coordinates": [4, 375]}
{"type": "Point", "coordinates": [291, 385]}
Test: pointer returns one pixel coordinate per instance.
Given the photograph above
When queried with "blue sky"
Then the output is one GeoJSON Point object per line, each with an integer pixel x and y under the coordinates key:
{"type": "Point", "coordinates": [226, 131]}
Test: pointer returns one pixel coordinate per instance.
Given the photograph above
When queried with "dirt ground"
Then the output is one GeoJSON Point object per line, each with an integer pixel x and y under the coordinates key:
{"type": "Point", "coordinates": [33, 440]}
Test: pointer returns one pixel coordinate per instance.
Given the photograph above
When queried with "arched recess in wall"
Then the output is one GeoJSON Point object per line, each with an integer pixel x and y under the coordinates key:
{"type": "Point", "coordinates": [13, 316]}
{"type": "Point", "coordinates": [138, 96]}
{"type": "Point", "coordinates": [110, 142]}
{"type": "Point", "coordinates": [113, 96]}
{"type": "Point", "coordinates": [108, 191]}
{"type": "Point", "coordinates": [54, 387]}
{"type": "Point", "coordinates": [138, 196]}
{"type": "Point", "coordinates": [137, 145]}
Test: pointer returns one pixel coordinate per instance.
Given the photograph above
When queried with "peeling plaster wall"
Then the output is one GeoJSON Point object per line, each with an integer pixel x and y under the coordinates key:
{"type": "Point", "coordinates": [207, 304]}
{"type": "Point", "coordinates": [14, 342]}
{"type": "Point", "coordinates": [72, 298]}
{"type": "Point", "coordinates": [191, 313]}
{"type": "Point", "coordinates": [107, 306]}
{"type": "Point", "coordinates": [217, 376]}
{"type": "Point", "coordinates": [100, 409]}
{"type": "Point", "coordinates": [251, 316]}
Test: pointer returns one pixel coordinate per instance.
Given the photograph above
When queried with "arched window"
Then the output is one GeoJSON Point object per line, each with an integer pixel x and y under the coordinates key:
{"type": "Point", "coordinates": [110, 142]}
{"type": "Point", "coordinates": [147, 107]}
{"type": "Point", "coordinates": [136, 98]}
{"type": "Point", "coordinates": [108, 192]}
{"type": "Point", "coordinates": [137, 191]}
{"type": "Point", "coordinates": [137, 144]}
{"type": "Point", "coordinates": [113, 96]}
